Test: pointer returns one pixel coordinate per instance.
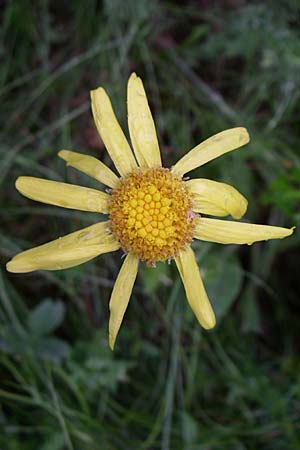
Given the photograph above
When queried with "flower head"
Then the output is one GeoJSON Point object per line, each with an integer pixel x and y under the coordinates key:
{"type": "Point", "coordinates": [153, 213]}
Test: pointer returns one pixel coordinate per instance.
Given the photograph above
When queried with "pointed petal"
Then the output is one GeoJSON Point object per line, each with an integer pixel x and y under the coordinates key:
{"type": "Point", "coordinates": [63, 194]}
{"type": "Point", "coordinates": [120, 295]}
{"type": "Point", "coordinates": [217, 199]}
{"type": "Point", "coordinates": [111, 132]}
{"type": "Point", "coordinates": [212, 148]}
{"type": "Point", "coordinates": [228, 232]}
{"type": "Point", "coordinates": [194, 289]}
{"type": "Point", "coordinates": [68, 251]}
{"type": "Point", "coordinates": [90, 166]}
{"type": "Point", "coordinates": [141, 125]}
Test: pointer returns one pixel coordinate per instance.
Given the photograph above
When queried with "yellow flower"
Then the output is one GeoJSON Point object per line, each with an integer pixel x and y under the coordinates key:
{"type": "Point", "coordinates": [153, 213]}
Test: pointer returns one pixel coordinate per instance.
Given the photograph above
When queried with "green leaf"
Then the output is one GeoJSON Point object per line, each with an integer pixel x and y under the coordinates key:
{"type": "Point", "coordinates": [52, 349]}
{"type": "Point", "coordinates": [155, 277]}
{"type": "Point", "coordinates": [190, 429]}
{"type": "Point", "coordinates": [46, 317]}
{"type": "Point", "coordinates": [56, 441]}
{"type": "Point", "coordinates": [251, 319]}
{"type": "Point", "coordinates": [223, 279]}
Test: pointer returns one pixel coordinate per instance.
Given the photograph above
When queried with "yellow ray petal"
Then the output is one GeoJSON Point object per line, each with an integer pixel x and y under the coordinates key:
{"type": "Point", "coordinates": [194, 289]}
{"type": "Point", "coordinates": [217, 199]}
{"type": "Point", "coordinates": [141, 125]}
{"type": "Point", "coordinates": [68, 251]}
{"type": "Point", "coordinates": [63, 194]}
{"type": "Point", "coordinates": [120, 295]}
{"type": "Point", "coordinates": [228, 232]}
{"type": "Point", "coordinates": [111, 132]}
{"type": "Point", "coordinates": [211, 148]}
{"type": "Point", "coordinates": [90, 166]}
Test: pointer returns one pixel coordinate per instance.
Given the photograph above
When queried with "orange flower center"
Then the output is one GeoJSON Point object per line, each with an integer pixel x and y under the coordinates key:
{"type": "Point", "coordinates": [150, 214]}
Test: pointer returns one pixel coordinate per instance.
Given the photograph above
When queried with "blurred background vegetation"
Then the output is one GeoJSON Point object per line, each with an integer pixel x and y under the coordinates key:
{"type": "Point", "coordinates": [207, 66]}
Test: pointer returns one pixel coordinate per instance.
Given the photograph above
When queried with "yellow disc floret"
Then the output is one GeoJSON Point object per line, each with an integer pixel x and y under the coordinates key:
{"type": "Point", "coordinates": [150, 214]}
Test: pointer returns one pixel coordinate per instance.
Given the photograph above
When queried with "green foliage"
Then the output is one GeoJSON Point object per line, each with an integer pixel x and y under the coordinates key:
{"type": "Point", "coordinates": [169, 385]}
{"type": "Point", "coordinates": [46, 317]}
{"type": "Point", "coordinates": [220, 267]}
{"type": "Point", "coordinates": [284, 193]}
{"type": "Point", "coordinates": [34, 338]}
